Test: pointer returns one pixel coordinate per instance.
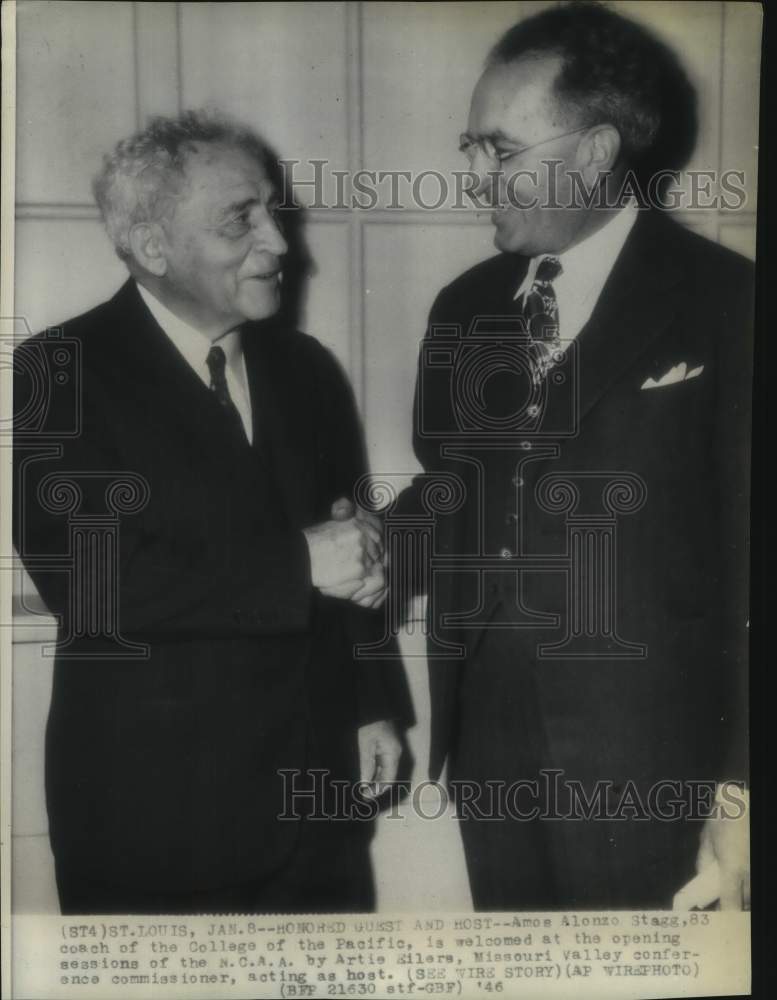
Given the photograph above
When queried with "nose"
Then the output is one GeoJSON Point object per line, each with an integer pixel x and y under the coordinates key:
{"type": "Point", "coordinates": [487, 176]}
{"type": "Point", "coordinates": [267, 234]}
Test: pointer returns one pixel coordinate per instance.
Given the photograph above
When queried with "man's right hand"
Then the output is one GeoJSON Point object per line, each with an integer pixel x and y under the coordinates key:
{"type": "Point", "coordinates": [344, 553]}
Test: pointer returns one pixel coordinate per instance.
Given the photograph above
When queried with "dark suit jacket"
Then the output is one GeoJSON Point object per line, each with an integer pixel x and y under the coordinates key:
{"type": "Point", "coordinates": [682, 565]}
{"type": "Point", "coordinates": [163, 772]}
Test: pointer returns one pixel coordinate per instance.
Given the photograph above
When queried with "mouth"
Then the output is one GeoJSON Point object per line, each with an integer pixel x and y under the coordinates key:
{"type": "Point", "coordinates": [267, 275]}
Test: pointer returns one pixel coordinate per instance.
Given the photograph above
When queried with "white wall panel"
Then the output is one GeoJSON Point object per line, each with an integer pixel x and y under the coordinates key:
{"type": "Point", "coordinates": [63, 267]}
{"type": "Point", "coordinates": [31, 695]}
{"type": "Point", "coordinates": [405, 267]}
{"type": "Point", "coordinates": [739, 237]}
{"type": "Point", "coordinates": [693, 29]}
{"type": "Point", "coordinates": [33, 888]}
{"type": "Point", "coordinates": [75, 93]}
{"type": "Point", "coordinates": [421, 61]}
{"type": "Point", "coordinates": [158, 70]}
{"type": "Point", "coordinates": [326, 313]}
{"type": "Point", "coordinates": [741, 86]}
{"type": "Point", "coordinates": [282, 67]}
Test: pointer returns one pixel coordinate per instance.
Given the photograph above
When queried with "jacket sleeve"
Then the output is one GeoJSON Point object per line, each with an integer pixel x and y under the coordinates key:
{"type": "Point", "coordinates": [735, 422]}
{"type": "Point", "coordinates": [383, 691]}
{"type": "Point", "coordinates": [244, 582]}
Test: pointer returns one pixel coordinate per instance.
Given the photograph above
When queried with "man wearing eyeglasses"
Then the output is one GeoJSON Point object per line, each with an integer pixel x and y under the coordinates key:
{"type": "Point", "coordinates": [589, 387]}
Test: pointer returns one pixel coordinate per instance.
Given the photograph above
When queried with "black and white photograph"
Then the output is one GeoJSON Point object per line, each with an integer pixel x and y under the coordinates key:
{"type": "Point", "coordinates": [377, 487]}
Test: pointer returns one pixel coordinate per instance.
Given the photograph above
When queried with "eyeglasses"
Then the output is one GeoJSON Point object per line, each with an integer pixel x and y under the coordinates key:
{"type": "Point", "coordinates": [492, 148]}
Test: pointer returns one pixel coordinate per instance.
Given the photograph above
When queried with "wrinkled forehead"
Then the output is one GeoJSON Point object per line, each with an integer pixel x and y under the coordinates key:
{"type": "Point", "coordinates": [516, 97]}
{"type": "Point", "coordinates": [217, 173]}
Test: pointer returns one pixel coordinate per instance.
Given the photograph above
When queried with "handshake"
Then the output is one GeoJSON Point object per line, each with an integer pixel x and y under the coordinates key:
{"type": "Point", "coordinates": [347, 556]}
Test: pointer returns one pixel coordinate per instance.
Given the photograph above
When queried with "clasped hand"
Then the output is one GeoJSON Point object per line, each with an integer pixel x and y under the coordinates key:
{"type": "Point", "coordinates": [347, 556]}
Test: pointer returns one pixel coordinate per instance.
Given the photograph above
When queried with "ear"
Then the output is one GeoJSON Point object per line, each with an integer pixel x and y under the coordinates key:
{"type": "Point", "coordinates": [599, 150]}
{"type": "Point", "coordinates": [146, 242]}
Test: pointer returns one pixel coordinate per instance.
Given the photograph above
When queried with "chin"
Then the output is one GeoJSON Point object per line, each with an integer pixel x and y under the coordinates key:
{"type": "Point", "coordinates": [510, 234]}
{"type": "Point", "coordinates": [262, 307]}
{"type": "Point", "coordinates": [499, 240]}
{"type": "Point", "coordinates": [508, 242]}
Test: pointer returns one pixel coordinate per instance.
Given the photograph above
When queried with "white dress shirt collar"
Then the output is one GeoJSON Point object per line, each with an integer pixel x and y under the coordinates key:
{"type": "Point", "coordinates": [191, 342]}
{"type": "Point", "coordinates": [586, 267]}
{"type": "Point", "coordinates": [194, 346]}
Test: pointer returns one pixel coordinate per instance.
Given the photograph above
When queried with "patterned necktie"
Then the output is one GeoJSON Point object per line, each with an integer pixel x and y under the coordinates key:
{"type": "Point", "coordinates": [540, 311]}
{"type": "Point", "coordinates": [217, 366]}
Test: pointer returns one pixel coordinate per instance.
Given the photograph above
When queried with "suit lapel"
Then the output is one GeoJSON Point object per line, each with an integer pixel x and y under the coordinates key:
{"type": "Point", "coordinates": [280, 396]}
{"type": "Point", "coordinates": [280, 399]}
{"type": "Point", "coordinates": [504, 281]}
{"type": "Point", "coordinates": [167, 380]}
{"type": "Point", "coordinates": [637, 304]}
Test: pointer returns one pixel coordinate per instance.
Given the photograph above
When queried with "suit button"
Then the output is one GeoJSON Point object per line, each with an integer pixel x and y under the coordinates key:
{"type": "Point", "coordinates": [533, 410]}
{"type": "Point", "coordinates": [526, 445]}
{"type": "Point", "coordinates": [506, 553]}
{"type": "Point", "coordinates": [517, 481]}
{"type": "Point", "coordinates": [511, 519]}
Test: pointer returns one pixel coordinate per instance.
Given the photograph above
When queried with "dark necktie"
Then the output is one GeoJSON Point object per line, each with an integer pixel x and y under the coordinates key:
{"type": "Point", "coordinates": [217, 366]}
{"type": "Point", "coordinates": [540, 310]}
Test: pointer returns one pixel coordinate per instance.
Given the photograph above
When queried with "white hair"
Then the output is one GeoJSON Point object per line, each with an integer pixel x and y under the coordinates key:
{"type": "Point", "coordinates": [141, 177]}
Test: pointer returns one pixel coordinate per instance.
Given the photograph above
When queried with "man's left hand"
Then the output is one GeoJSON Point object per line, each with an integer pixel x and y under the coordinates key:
{"type": "Point", "coordinates": [379, 753]}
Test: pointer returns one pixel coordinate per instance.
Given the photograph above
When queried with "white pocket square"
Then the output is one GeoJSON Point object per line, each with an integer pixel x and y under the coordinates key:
{"type": "Point", "coordinates": [679, 373]}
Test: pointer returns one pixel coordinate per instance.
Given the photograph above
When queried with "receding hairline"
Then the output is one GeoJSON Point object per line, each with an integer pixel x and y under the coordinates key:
{"type": "Point", "coordinates": [555, 58]}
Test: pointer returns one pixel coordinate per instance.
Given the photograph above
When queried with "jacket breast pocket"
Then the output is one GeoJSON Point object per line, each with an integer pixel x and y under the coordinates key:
{"type": "Point", "coordinates": [678, 400]}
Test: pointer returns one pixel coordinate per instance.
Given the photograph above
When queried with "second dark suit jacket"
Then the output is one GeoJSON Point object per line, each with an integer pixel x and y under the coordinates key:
{"type": "Point", "coordinates": [163, 772]}
{"type": "Point", "coordinates": [682, 588]}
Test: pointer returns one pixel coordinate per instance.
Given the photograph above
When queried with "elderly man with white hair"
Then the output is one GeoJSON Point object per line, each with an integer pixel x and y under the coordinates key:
{"type": "Point", "coordinates": [220, 690]}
